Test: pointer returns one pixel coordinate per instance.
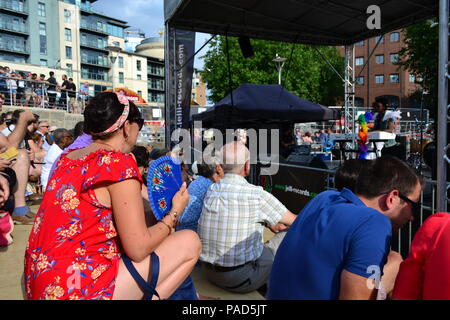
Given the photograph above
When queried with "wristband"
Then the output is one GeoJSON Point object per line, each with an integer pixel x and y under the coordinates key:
{"type": "Point", "coordinates": [170, 229]}
{"type": "Point", "coordinates": [174, 214]}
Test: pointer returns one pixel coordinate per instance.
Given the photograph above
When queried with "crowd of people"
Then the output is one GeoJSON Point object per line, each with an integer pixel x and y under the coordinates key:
{"type": "Point", "coordinates": [95, 236]}
{"type": "Point", "coordinates": [33, 90]}
{"type": "Point", "coordinates": [27, 144]}
{"type": "Point", "coordinates": [322, 137]}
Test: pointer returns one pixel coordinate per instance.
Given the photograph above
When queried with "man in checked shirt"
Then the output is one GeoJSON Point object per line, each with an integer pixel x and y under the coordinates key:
{"type": "Point", "coordinates": [231, 226]}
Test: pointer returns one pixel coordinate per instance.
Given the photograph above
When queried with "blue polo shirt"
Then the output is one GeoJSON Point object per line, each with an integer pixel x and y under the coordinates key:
{"type": "Point", "coordinates": [334, 232]}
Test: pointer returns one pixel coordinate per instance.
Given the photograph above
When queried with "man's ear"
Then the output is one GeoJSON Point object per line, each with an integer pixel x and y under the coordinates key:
{"type": "Point", "coordinates": [247, 167]}
{"type": "Point", "coordinates": [391, 199]}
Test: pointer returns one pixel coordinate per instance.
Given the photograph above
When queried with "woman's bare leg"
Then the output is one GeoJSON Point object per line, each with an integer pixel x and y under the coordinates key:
{"type": "Point", "coordinates": [177, 257]}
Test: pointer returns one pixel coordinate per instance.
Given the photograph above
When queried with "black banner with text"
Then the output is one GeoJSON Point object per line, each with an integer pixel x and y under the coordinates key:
{"type": "Point", "coordinates": [181, 47]}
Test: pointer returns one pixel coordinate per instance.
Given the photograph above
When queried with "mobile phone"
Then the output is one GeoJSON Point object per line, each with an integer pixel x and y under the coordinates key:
{"type": "Point", "coordinates": [10, 154]}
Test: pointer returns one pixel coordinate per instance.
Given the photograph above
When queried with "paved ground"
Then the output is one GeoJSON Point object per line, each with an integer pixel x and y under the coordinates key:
{"type": "Point", "coordinates": [11, 272]}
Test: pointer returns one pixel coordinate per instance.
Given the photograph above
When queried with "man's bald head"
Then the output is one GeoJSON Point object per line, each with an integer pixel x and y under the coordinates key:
{"type": "Point", "coordinates": [234, 157]}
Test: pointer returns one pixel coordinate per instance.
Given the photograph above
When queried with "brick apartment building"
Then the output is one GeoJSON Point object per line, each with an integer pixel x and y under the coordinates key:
{"type": "Point", "coordinates": [381, 77]}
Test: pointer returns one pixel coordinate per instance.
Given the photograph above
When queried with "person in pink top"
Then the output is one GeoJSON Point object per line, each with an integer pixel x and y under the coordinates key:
{"type": "Point", "coordinates": [425, 275]}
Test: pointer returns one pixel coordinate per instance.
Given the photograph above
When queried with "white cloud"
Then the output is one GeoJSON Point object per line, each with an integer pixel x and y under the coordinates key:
{"type": "Point", "coordinates": [147, 15]}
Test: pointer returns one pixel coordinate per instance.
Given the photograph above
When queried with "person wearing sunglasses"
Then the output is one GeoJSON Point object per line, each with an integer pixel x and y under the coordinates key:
{"type": "Point", "coordinates": [44, 130]}
{"type": "Point", "coordinates": [92, 220]}
{"type": "Point", "coordinates": [339, 244]}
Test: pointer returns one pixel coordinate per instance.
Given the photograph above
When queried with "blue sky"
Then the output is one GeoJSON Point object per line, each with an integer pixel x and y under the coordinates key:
{"type": "Point", "coordinates": [147, 15]}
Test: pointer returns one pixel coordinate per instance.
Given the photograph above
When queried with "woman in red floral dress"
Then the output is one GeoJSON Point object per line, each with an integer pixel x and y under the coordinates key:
{"type": "Point", "coordinates": [89, 239]}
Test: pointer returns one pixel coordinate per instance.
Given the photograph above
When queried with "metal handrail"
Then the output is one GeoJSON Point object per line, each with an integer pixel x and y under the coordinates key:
{"type": "Point", "coordinates": [21, 95]}
{"type": "Point", "coordinates": [14, 6]}
{"type": "Point", "coordinates": [11, 46]}
{"type": "Point", "coordinates": [93, 44]}
{"type": "Point", "coordinates": [7, 25]}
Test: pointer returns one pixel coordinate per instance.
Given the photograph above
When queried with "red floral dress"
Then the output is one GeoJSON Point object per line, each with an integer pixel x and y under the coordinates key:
{"type": "Point", "coordinates": [73, 251]}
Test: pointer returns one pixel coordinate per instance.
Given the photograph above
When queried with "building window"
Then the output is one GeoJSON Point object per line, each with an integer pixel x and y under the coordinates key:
{"type": "Point", "coordinates": [379, 78]}
{"type": "Point", "coordinates": [139, 93]}
{"type": "Point", "coordinates": [359, 61]}
{"type": "Point", "coordinates": [394, 78]}
{"type": "Point", "coordinates": [395, 37]}
{"type": "Point", "coordinates": [44, 63]}
{"type": "Point", "coordinates": [360, 80]}
{"type": "Point", "coordinates": [120, 62]}
{"type": "Point", "coordinates": [138, 65]}
{"type": "Point", "coordinates": [115, 31]}
{"type": "Point", "coordinates": [41, 9]}
{"type": "Point", "coordinates": [360, 43]}
{"type": "Point", "coordinates": [42, 29]}
{"type": "Point", "coordinates": [139, 77]}
{"type": "Point", "coordinates": [69, 69]}
{"type": "Point", "coordinates": [381, 38]}
{"type": "Point", "coordinates": [68, 34]}
{"type": "Point", "coordinates": [412, 78]}
{"type": "Point", "coordinates": [67, 16]}
{"type": "Point", "coordinates": [93, 74]}
{"type": "Point", "coordinates": [121, 77]}
{"type": "Point", "coordinates": [156, 97]}
{"type": "Point", "coordinates": [100, 43]}
{"type": "Point", "coordinates": [157, 84]}
{"type": "Point", "coordinates": [394, 58]}
{"type": "Point", "coordinates": [93, 57]}
{"type": "Point", "coordinates": [116, 44]}
{"type": "Point", "coordinates": [379, 59]}
{"type": "Point", "coordinates": [42, 38]}
{"type": "Point", "coordinates": [155, 70]}
{"type": "Point", "coordinates": [101, 26]}
{"type": "Point", "coordinates": [68, 52]}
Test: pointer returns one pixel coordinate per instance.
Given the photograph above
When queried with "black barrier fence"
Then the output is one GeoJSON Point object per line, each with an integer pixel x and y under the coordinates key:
{"type": "Point", "coordinates": [295, 185]}
{"type": "Point", "coordinates": [40, 94]}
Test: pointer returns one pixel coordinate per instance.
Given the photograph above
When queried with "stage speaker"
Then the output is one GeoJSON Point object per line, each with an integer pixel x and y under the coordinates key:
{"type": "Point", "coordinates": [246, 47]}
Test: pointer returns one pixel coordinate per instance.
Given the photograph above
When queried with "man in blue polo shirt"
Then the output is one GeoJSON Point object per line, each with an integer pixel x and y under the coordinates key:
{"type": "Point", "coordinates": [337, 247]}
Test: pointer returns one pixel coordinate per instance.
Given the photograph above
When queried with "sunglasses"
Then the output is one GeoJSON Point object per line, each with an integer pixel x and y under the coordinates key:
{"type": "Point", "coordinates": [415, 206]}
{"type": "Point", "coordinates": [44, 126]}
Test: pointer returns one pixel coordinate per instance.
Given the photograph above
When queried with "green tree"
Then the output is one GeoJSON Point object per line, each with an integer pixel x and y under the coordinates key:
{"type": "Point", "coordinates": [306, 74]}
{"type": "Point", "coordinates": [420, 57]}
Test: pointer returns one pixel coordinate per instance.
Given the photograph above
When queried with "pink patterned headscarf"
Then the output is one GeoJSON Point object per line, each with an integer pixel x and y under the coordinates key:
{"type": "Point", "coordinates": [121, 120]}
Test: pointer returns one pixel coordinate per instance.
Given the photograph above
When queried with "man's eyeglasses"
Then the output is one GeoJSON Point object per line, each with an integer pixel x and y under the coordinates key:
{"type": "Point", "coordinates": [44, 126]}
{"type": "Point", "coordinates": [415, 206]}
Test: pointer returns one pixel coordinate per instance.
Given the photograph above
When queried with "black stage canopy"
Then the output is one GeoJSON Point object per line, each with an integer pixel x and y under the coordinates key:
{"type": "Point", "coordinates": [320, 22]}
{"type": "Point", "coordinates": [259, 105]}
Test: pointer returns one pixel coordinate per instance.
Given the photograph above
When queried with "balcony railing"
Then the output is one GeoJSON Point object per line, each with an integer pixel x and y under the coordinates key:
{"type": "Point", "coordinates": [95, 76]}
{"type": "Point", "coordinates": [96, 62]}
{"type": "Point", "coordinates": [93, 44]}
{"type": "Point", "coordinates": [10, 26]}
{"type": "Point", "coordinates": [93, 27]}
{"type": "Point", "coordinates": [14, 47]}
{"type": "Point", "coordinates": [14, 5]}
{"type": "Point", "coordinates": [155, 87]}
{"type": "Point", "coordinates": [158, 72]}
{"type": "Point", "coordinates": [86, 7]}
